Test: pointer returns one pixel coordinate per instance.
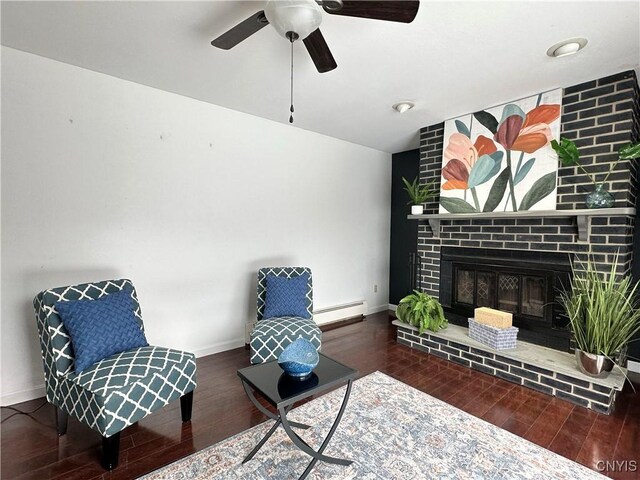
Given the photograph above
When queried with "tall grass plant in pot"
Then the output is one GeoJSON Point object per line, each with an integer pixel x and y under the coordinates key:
{"type": "Point", "coordinates": [604, 313]}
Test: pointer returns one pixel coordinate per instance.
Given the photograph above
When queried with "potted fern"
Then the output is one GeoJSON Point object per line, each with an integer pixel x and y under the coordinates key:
{"type": "Point", "coordinates": [418, 194]}
{"type": "Point", "coordinates": [604, 314]}
{"type": "Point", "coordinates": [423, 311]}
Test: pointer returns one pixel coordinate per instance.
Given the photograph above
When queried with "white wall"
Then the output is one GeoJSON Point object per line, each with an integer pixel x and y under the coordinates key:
{"type": "Point", "coordinates": [104, 178]}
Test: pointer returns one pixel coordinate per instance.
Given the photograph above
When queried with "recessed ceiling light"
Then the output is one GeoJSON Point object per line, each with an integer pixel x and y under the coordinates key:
{"type": "Point", "coordinates": [567, 47]}
{"type": "Point", "coordinates": [403, 106]}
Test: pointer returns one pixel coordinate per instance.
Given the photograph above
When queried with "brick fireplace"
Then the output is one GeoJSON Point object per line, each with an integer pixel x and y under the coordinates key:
{"type": "Point", "coordinates": [519, 261]}
{"type": "Point", "coordinates": [600, 116]}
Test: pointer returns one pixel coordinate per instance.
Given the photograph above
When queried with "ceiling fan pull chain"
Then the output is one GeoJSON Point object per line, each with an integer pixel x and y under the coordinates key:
{"type": "Point", "coordinates": [291, 109]}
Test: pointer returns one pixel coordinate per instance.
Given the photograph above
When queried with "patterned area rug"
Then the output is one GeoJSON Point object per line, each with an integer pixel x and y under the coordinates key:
{"type": "Point", "coordinates": [391, 431]}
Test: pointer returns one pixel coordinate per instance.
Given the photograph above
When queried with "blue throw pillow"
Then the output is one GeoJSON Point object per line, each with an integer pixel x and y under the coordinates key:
{"type": "Point", "coordinates": [101, 328]}
{"type": "Point", "coordinates": [286, 297]}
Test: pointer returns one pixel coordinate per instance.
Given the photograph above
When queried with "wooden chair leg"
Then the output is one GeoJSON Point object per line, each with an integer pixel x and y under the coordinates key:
{"type": "Point", "coordinates": [110, 451]}
{"type": "Point", "coordinates": [62, 419]}
{"type": "Point", "coordinates": [186, 406]}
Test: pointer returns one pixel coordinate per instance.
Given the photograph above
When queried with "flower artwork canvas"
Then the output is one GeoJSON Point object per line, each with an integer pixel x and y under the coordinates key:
{"type": "Point", "coordinates": [500, 159]}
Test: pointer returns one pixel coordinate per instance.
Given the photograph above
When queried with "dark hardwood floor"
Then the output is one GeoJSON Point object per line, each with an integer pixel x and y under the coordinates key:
{"type": "Point", "coordinates": [31, 449]}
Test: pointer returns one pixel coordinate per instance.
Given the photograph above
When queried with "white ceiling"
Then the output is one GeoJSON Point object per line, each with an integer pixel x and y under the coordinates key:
{"type": "Point", "coordinates": [456, 57]}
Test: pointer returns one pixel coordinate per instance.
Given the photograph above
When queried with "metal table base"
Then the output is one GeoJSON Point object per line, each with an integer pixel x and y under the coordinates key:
{"type": "Point", "coordinates": [281, 419]}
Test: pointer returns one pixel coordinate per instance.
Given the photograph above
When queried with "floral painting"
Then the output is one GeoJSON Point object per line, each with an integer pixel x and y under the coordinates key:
{"type": "Point", "coordinates": [500, 159]}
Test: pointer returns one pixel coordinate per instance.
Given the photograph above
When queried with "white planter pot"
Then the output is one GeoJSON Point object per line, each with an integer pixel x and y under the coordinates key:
{"type": "Point", "coordinates": [417, 209]}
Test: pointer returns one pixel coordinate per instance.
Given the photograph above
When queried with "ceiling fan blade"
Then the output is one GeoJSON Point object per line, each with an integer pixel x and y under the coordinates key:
{"type": "Point", "coordinates": [394, 11]}
{"type": "Point", "coordinates": [242, 31]}
{"type": "Point", "coordinates": [319, 52]}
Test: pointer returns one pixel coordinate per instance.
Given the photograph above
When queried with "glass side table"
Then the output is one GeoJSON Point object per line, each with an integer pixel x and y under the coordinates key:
{"type": "Point", "coordinates": [283, 391]}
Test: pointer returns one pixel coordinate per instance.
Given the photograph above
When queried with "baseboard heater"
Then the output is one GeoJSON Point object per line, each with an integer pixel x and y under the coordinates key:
{"type": "Point", "coordinates": [328, 315]}
{"type": "Point", "coordinates": [340, 312]}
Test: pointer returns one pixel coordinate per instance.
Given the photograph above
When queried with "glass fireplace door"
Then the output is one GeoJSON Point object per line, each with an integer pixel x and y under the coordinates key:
{"type": "Point", "coordinates": [520, 294]}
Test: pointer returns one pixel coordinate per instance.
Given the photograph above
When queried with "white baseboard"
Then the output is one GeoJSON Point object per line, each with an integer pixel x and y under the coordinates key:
{"type": "Point", "coordinates": [633, 366]}
{"type": "Point", "coordinates": [22, 395]}
{"type": "Point", "coordinates": [324, 316]}
{"type": "Point", "coordinates": [393, 307]}
{"type": "Point", "coordinates": [219, 347]}
{"type": "Point", "coordinates": [378, 308]}
{"type": "Point", "coordinates": [340, 312]}
{"type": "Point", "coordinates": [38, 391]}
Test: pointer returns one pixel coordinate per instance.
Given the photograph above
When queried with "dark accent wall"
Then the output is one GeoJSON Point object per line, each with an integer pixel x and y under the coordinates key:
{"type": "Point", "coordinates": [404, 234]}
{"type": "Point", "coordinates": [600, 116]}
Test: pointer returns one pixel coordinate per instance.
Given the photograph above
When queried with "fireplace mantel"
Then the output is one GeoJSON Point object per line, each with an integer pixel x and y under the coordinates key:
{"type": "Point", "coordinates": [583, 217]}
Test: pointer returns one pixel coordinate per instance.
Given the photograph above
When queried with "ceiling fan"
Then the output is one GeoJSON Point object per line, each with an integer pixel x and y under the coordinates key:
{"type": "Point", "coordinates": [300, 19]}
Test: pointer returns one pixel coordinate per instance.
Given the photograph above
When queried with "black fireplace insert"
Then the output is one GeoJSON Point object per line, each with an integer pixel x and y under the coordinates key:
{"type": "Point", "coordinates": [524, 283]}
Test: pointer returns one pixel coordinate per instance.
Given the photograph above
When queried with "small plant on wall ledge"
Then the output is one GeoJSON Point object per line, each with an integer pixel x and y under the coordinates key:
{"type": "Point", "coordinates": [423, 311]}
{"type": "Point", "coordinates": [570, 157]}
{"type": "Point", "coordinates": [418, 194]}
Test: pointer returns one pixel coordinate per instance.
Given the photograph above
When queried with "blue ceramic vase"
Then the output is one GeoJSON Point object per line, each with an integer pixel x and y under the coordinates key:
{"type": "Point", "coordinates": [299, 359]}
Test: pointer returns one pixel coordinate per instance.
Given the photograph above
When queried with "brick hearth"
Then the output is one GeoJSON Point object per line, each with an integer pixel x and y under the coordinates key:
{"type": "Point", "coordinates": [600, 116]}
{"type": "Point", "coordinates": [542, 369]}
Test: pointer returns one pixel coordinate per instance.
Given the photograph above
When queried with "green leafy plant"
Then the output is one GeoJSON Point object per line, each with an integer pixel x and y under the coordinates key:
{"type": "Point", "coordinates": [418, 193]}
{"type": "Point", "coordinates": [423, 311]}
{"type": "Point", "coordinates": [629, 152]}
{"type": "Point", "coordinates": [569, 156]}
{"type": "Point", "coordinates": [603, 309]}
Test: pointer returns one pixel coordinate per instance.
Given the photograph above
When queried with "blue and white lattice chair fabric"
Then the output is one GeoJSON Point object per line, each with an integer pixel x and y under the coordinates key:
{"type": "Point", "coordinates": [271, 336]}
{"type": "Point", "coordinates": [119, 390]}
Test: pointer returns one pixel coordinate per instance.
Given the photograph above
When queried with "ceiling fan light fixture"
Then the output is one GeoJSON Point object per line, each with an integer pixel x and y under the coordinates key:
{"type": "Point", "coordinates": [402, 107]}
{"type": "Point", "coordinates": [332, 5]}
{"type": "Point", "coordinates": [301, 17]}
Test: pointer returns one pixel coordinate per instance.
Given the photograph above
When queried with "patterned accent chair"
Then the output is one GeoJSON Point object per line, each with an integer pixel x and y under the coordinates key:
{"type": "Point", "coordinates": [115, 392]}
{"type": "Point", "coordinates": [271, 336]}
